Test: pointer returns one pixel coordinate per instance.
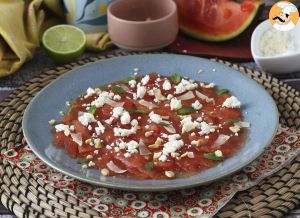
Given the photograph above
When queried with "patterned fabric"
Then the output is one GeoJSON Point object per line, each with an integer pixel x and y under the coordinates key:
{"type": "Point", "coordinates": [204, 201]}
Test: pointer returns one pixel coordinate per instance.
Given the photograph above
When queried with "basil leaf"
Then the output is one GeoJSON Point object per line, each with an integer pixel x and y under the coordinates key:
{"type": "Point", "coordinates": [118, 89]}
{"type": "Point", "coordinates": [164, 124]}
{"type": "Point", "coordinates": [175, 78]}
{"type": "Point", "coordinates": [222, 91]}
{"type": "Point", "coordinates": [138, 111]}
{"type": "Point", "coordinates": [212, 156]}
{"type": "Point", "coordinates": [127, 79]}
{"type": "Point", "coordinates": [149, 166]}
{"type": "Point", "coordinates": [232, 121]}
{"type": "Point", "coordinates": [186, 110]}
{"type": "Point", "coordinates": [92, 109]}
{"type": "Point", "coordinates": [81, 161]}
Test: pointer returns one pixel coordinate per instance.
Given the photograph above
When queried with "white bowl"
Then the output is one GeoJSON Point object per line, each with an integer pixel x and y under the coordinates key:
{"type": "Point", "coordinates": [285, 63]}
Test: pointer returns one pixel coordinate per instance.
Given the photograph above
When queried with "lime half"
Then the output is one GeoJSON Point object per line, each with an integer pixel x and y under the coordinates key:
{"type": "Point", "coordinates": [64, 43]}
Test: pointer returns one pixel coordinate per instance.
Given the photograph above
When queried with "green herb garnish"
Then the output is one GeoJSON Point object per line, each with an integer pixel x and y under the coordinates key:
{"type": "Point", "coordinates": [222, 91]}
{"type": "Point", "coordinates": [175, 78]}
{"type": "Point", "coordinates": [164, 124]}
{"type": "Point", "coordinates": [127, 79]}
{"type": "Point", "coordinates": [149, 166]}
{"type": "Point", "coordinates": [118, 89]}
{"type": "Point", "coordinates": [137, 111]}
{"type": "Point", "coordinates": [212, 156]}
{"type": "Point", "coordinates": [92, 109]}
{"type": "Point", "coordinates": [81, 161]}
{"type": "Point", "coordinates": [232, 121]}
{"type": "Point", "coordinates": [186, 110]}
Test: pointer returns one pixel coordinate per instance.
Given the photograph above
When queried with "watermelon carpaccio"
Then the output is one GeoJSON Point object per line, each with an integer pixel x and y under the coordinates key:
{"type": "Point", "coordinates": [216, 20]}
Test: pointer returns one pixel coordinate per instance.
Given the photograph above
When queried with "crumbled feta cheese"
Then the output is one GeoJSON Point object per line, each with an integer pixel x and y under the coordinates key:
{"type": "Point", "coordinates": [89, 92]}
{"type": "Point", "coordinates": [218, 153]}
{"type": "Point", "coordinates": [90, 127]}
{"type": "Point", "coordinates": [101, 99]}
{"type": "Point", "coordinates": [145, 80]}
{"type": "Point", "coordinates": [117, 111]}
{"type": "Point", "coordinates": [206, 128]}
{"type": "Point", "coordinates": [117, 97]}
{"type": "Point", "coordinates": [170, 147]}
{"type": "Point", "coordinates": [169, 97]}
{"type": "Point", "coordinates": [126, 132]}
{"type": "Point", "coordinates": [141, 91]}
{"type": "Point", "coordinates": [125, 118]}
{"type": "Point", "coordinates": [173, 137]}
{"type": "Point", "coordinates": [235, 128]}
{"type": "Point", "coordinates": [109, 121]}
{"type": "Point", "coordinates": [62, 128]}
{"type": "Point", "coordinates": [158, 96]}
{"type": "Point", "coordinates": [232, 102]}
{"type": "Point", "coordinates": [91, 164]}
{"type": "Point", "coordinates": [185, 85]}
{"type": "Point", "coordinates": [175, 104]}
{"type": "Point", "coordinates": [77, 138]}
{"type": "Point", "coordinates": [86, 118]}
{"type": "Point", "coordinates": [130, 147]}
{"type": "Point", "coordinates": [194, 142]}
{"type": "Point", "coordinates": [51, 122]}
{"type": "Point", "coordinates": [197, 105]}
{"type": "Point", "coordinates": [150, 92]}
{"type": "Point", "coordinates": [108, 147]}
{"type": "Point", "coordinates": [132, 83]}
{"type": "Point", "coordinates": [155, 117]}
{"type": "Point", "coordinates": [193, 134]}
{"type": "Point", "coordinates": [167, 85]}
{"type": "Point", "coordinates": [188, 125]}
{"type": "Point", "coordinates": [100, 128]}
{"type": "Point", "coordinates": [209, 85]}
{"type": "Point", "coordinates": [206, 137]}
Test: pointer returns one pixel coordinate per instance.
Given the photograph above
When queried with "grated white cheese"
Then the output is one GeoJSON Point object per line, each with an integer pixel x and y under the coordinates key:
{"type": "Point", "coordinates": [141, 91]}
{"type": "Point", "coordinates": [188, 125]}
{"type": "Point", "coordinates": [125, 118]}
{"type": "Point", "coordinates": [232, 102]}
{"type": "Point", "coordinates": [206, 128]}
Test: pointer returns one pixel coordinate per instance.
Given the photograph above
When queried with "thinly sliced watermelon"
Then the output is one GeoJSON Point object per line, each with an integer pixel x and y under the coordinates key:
{"type": "Point", "coordinates": [216, 20]}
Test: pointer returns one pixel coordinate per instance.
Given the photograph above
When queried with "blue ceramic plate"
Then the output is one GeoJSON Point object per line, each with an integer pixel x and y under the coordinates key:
{"type": "Point", "coordinates": [257, 106]}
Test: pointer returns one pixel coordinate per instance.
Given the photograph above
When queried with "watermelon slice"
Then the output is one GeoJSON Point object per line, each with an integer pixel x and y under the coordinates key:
{"type": "Point", "coordinates": [216, 20]}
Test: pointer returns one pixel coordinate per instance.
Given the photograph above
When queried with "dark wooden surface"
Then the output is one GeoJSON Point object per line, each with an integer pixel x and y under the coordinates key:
{"type": "Point", "coordinates": [42, 63]}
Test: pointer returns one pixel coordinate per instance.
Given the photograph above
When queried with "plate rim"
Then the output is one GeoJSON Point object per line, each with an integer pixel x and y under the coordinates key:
{"type": "Point", "coordinates": [148, 187]}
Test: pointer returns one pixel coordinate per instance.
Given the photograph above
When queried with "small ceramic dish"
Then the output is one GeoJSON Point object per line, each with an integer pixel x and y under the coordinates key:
{"type": "Point", "coordinates": [142, 25]}
{"type": "Point", "coordinates": [285, 63]}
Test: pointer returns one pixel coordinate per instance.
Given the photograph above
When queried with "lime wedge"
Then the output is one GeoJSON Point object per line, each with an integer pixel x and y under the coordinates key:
{"type": "Point", "coordinates": [64, 43]}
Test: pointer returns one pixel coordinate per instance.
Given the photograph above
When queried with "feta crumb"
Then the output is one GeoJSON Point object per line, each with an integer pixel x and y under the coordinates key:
{"type": "Point", "coordinates": [171, 146]}
{"type": "Point", "coordinates": [167, 85]}
{"type": "Point", "coordinates": [51, 122]}
{"type": "Point", "coordinates": [206, 137]}
{"type": "Point", "coordinates": [185, 85]}
{"type": "Point", "coordinates": [155, 117]}
{"type": "Point", "coordinates": [151, 92]}
{"type": "Point", "coordinates": [125, 118]}
{"type": "Point", "coordinates": [218, 153]}
{"type": "Point", "coordinates": [197, 105]}
{"type": "Point", "coordinates": [169, 97]}
{"type": "Point", "coordinates": [145, 80]}
{"type": "Point", "coordinates": [232, 102]}
{"type": "Point", "coordinates": [86, 118]}
{"type": "Point", "coordinates": [117, 111]}
{"type": "Point", "coordinates": [193, 134]}
{"type": "Point", "coordinates": [188, 125]}
{"type": "Point", "coordinates": [117, 97]}
{"type": "Point", "coordinates": [62, 128]}
{"type": "Point", "coordinates": [175, 104]}
{"type": "Point", "coordinates": [235, 128]}
{"type": "Point", "coordinates": [77, 138]}
{"type": "Point", "coordinates": [132, 83]}
{"type": "Point", "coordinates": [100, 128]}
{"type": "Point", "coordinates": [141, 91]}
{"type": "Point", "coordinates": [89, 92]}
{"type": "Point", "coordinates": [91, 164]}
{"type": "Point", "coordinates": [206, 128]}
{"type": "Point", "coordinates": [90, 127]}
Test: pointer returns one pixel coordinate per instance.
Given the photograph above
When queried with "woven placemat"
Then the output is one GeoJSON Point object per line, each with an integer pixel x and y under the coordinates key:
{"type": "Point", "coordinates": [27, 197]}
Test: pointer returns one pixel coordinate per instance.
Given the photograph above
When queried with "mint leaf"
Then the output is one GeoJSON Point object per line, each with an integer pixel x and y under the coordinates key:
{"type": "Point", "coordinates": [212, 156]}
{"type": "Point", "coordinates": [222, 91]}
{"type": "Point", "coordinates": [92, 109]}
{"type": "Point", "coordinates": [232, 121]}
{"type": "Point", "coordinates": [118, 89]}
{"type": "Point", "coordinates": [186, 110]}
{"type": "Point", "coordinates": [175, 78]}
{"type": "Point", "coordinates": [127, 79]}
{"type": "Point", "coordinates": [149, 166]}
{"type": "Point", "coordinates": [81, 161]}
{"type": "Point", "coordinates": [137, 111]}
{"type": "Point", "coordinates": [164, 124]}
